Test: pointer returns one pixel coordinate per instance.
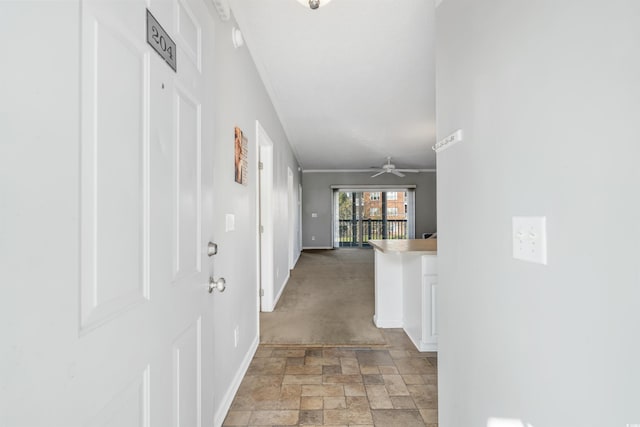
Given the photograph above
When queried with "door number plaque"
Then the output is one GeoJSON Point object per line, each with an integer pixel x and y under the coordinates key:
{"type": "Point", "coordinates": [160, 41]}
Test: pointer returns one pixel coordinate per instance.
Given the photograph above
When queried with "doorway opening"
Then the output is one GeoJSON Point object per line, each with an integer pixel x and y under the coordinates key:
{"type": "Point", "coordinates": [372, 214]}
{"type": "Point", "coordinates": [265, 219]}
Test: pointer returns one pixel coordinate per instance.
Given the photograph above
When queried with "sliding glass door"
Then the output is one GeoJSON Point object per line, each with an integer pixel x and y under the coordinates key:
{"type": "Point", "coordinates": [372, 215]}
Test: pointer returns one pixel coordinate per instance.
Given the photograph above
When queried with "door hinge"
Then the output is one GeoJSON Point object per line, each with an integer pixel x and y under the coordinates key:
{"type": "Point", "coordinates": [260, 165]}
{"type": "Point", "coordinates": [261, 229]}
{"type": "Point", "coordinates": [261, 292]}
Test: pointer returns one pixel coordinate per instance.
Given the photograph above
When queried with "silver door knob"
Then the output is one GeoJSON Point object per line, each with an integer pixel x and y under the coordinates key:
{"type": "Point", "coordinates": [219, 284]}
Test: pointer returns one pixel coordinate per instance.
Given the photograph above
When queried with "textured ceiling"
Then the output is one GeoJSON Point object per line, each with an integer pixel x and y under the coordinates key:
{"type": "Point", "coordinates": [352, 82]}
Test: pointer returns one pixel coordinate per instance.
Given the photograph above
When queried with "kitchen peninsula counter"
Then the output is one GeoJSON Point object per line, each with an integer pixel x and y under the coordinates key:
{"type": "Point", "coordinates": [406, 285]}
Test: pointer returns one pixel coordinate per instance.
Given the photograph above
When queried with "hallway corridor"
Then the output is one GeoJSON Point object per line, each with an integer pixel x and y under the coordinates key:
{"type": "Point", "coordinates": [329, 300]}
{"type": "Point", "coordinates": [322, 361]}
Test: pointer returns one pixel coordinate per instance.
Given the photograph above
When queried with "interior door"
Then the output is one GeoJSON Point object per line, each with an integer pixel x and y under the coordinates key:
{"type": "Point", "coordinates": [146, 209]}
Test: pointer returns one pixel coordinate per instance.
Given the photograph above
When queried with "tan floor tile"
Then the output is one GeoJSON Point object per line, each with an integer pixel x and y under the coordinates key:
{"type": "Point", "coordinates": [304, 370]}
{"type": "Point", "coordinates": [395, 385]}
{"type": "Point", "coordinates": [378, 397]}
{"type": "Point", "coordinates": [357, 402]}
{"type": "Point", "coordinates": [237, 418]}
{"type": "Point", "coordinates": [430, 378]}
{"type": "Point", "coordinates": [242, 403]}
{"type": "Point", "coordinates": [372, 379]}
{"type": "Point", "coordinates": [398, 354]}
{"type": "Point", "coordinates": [359, 416]}
{"type": "Point", "coordinates": [309, 403]}
{"type": "Point", "coordinates": [339, 352]}
{"type": "Point", "coordinates": [349, 365]}
{"type": "Point", "coordinates": [413, 379]}
{"type": "Point", "coordinates": [295, 361]}
{"type": "Point", "coordinates": [430, 416]}
{"type": "Point", "coordinates": [376, 390]}
{"type": "Point", "coordinates": [342, 379]}
{"type": "Point", "coordinates": [314, 352]}
{"type": "Point", "coordinates": [380, 402]}
{"type": "Point", "coordinates": [267, 366]}
{"type": "Point", "coordinates": [290, 390]}
{"type": "Point", "coordinates": [323, 390]}
{"type": "Point", "coordinates": [402, 402]}
{"type": "Point", "coordinates": [374, 358]}
{"type": "Point", "coordinates": [335, 403]}
{"type": "Point", "coordinates": [270, 418]}
{"type": "Point", "coordinates": [332, 370]}
{"type": "Point", "coordinates": [311, 418]}
{"type": "Point", "coordinates": [263, 352]}
{"type": "Point", "coordinates": [354, 390]}
{"type": "Point", "coordinates": [433, 361]}
{"type": "Point", "coordinates": [397, 417]}
{"type": "Point", "coordinates": [342, 352]}
{"type": "Point", "coordinates": [369, 370]}
{"type": "Point", "coordinates": [388, 370]}
{"type": "Point", "coordinates": [254, 382]}
{"type": "Point", "coordinates": [322, 361]}
{"type": "Point", "coordinates": [336, 416]}
{"type": "Point", "coordinates": [425, 396]}
{"type": "Point", "coordinates": [278, 404]}
{"type": "Point", "coordinates": [265, 393]}
{"type": "Point", "coordinates": [288, 352]}
{"type": "Point", "coordinates": [302, 379]}
{"type": "Point", "coordinates": [414, 366]}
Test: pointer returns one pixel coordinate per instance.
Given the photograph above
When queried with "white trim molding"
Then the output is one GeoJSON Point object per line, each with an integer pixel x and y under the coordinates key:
{"type": "Point", "coordinates": [227, 400]}
{"type": "Point", "coordinates": [353, 170]}
{"type": "Point", "coordinates": [347, 187]}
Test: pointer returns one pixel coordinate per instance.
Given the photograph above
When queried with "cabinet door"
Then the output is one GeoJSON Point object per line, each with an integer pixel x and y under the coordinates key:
{"type": "Point", "coordinates": [429, 301]}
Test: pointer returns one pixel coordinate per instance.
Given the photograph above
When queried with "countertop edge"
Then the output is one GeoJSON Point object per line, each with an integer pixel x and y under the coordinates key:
{"type": "Point", "coordinates": [383, 246]}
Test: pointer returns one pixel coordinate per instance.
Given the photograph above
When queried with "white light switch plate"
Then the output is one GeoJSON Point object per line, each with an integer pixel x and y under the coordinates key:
{"type": "Point", "coordinates": [530, 238]}
{"type": "Point", "coordinates": [230, 222]}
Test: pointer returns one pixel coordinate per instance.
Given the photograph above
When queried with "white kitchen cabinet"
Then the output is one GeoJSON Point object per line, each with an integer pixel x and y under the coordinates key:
{"type": "Point", "coordinates": [406, 289]}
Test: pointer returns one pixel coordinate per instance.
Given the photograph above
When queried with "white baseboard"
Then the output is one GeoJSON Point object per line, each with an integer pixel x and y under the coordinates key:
{"type": "Point", "coordinates": [387, 323]}
{"type": "Point", "coordinates": [227, 400]}
{"type": "Point", "coordinates": [317, 247]}
{"type": "Point", "coordinates": [284, 285]}
{"type": "Point", "coordinates": [297, 258]}
{"type": "Point", "coordinates": [428, 346]}
{"type": "Point", "coordinates": [273, 304]}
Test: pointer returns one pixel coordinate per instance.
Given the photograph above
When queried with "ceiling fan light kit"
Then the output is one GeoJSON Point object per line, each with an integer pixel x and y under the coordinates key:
{"type": "Point", "coordinates": [391, 168]}
{"type": "Point", "coordinates": [313, 4]}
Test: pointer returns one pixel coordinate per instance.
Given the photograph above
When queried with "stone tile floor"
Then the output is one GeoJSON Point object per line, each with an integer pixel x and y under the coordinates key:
{"type": "Point", "coordinates": [386, 386]}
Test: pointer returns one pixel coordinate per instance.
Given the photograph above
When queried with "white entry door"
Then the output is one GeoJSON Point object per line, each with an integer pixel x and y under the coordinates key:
{"type": "Point", "coordinates": [146, 213]}
{"type": "Point", "coordinates": [125, 338]}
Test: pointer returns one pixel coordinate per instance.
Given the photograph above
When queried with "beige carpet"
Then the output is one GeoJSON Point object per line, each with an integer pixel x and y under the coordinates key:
{"type": "Point", "coordinates": [329, 300]}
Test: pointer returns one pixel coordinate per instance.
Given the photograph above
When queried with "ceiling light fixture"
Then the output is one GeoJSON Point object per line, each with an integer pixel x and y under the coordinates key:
{"type": "Point", "coordinates": [313, 4]}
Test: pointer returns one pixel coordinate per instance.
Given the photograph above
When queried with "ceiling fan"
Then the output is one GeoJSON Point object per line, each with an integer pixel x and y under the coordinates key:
{"type": "Point", "coordinates": [391, 168]}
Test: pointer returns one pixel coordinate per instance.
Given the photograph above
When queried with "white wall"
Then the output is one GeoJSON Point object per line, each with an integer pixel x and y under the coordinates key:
{"type": "Point", "coordinates": [39, 184]}
{"type": "Point", "coordinates": [242, 100]}
{"type": "Point", "coordinates": [548, 95]}
{"type": "Point", "coordinates": [317, 197]}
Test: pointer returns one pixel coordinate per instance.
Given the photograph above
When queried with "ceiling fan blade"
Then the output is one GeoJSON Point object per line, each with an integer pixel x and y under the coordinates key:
{"type": "Point", "coordinates": [408, 170]}
{"type": "Point", "coordinates": [396, 172]}
{"type": "Point", "coordinates": [379, 173]}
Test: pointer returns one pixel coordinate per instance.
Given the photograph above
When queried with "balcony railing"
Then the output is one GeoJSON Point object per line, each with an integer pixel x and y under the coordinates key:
{"type": "Point", "coordinates": [371, 229]}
